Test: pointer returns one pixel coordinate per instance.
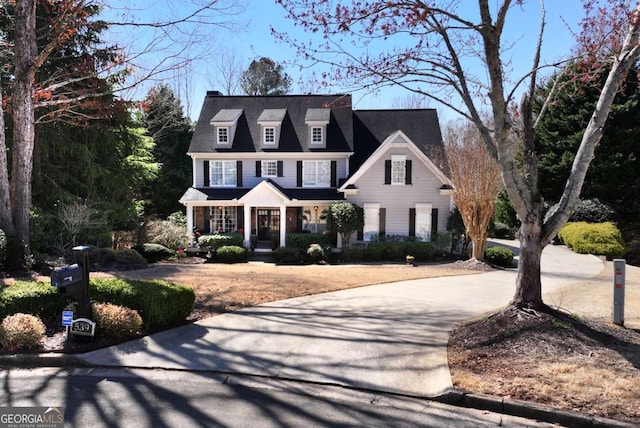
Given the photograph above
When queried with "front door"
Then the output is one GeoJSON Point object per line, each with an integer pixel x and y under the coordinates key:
{"type": "Point", "coordinates": [269, 225]}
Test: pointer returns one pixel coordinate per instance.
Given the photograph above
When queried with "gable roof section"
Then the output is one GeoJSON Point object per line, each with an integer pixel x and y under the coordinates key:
{"type": "Point", "coordinates": [421, 126]}
{"type": "Point", "coordinates": [294, 131]}
{"type": "Point", "coordinates": [396, 139]}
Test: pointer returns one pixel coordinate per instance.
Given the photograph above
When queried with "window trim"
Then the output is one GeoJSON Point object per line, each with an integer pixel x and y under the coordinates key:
{"type": "Point", "coordinates": [219, 130]}
{"type": "Point", "coordinates": [317, 183]}
{"type": "Point", "coordinates": [220, 216]}
{"type": "Point", "coordinates": [272, 136]}
{"type": "Point", "coordinates": [223, 164]}
{"type": "Point", "coordinates": [312, 140]}
{"type": "Point", "coordinates": [400, 176]}
{"type": "Point", "coordinates": [264, 170]}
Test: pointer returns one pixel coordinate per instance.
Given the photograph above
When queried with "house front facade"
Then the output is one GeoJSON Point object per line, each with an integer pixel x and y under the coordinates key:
{"type": "Point", "coordinates": [265, 166]}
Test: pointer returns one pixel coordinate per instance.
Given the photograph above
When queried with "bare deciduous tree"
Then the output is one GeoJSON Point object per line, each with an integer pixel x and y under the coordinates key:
{"type": "Point", "coordinates": [448, 40]}
{"type": "Point", "coordinates": [476, 179]}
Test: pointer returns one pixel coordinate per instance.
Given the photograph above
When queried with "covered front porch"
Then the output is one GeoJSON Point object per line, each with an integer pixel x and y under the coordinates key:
{"type": "Point", "coordinates": [263, 215]}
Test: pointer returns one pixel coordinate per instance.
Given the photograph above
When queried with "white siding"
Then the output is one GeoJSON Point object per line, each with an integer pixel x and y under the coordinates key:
{"type": "Point", "coordinates": [397, 200]}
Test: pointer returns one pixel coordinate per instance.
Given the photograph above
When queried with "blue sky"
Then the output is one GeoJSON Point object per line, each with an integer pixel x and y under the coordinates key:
{"type": "Point", "coordinates": [255, 40]}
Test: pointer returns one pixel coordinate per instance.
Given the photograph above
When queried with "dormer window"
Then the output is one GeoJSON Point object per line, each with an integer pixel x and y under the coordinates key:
{"type": "Point", "coordinates": [223, 135]}
{"type": "Point", "coordinates": [270, 122]}
{"type": "Point", "coordinates": [225, 123]}
{"type": "Point", "coordinates": [268, 135]}
{"type": "Point", "coordinates": [317, 120]}
{"type": "Point", "coordinates": [317, 135]}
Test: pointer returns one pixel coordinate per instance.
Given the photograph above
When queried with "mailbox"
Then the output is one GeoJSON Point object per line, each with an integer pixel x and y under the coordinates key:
{"type": "Point", "coordinates": [68, 280]}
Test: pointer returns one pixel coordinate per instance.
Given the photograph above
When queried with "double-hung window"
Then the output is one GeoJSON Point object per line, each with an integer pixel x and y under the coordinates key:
{"type": "Point", "coordinates": [270, 168]}
{"type": "Point", "coordinates": [223, 173]}
{"type": "Point", "coordinates": [316, 173]}
{"type": "Point", "coordinates": [398, 170]}
{"type": "Point", "coordinates": [224, 219]}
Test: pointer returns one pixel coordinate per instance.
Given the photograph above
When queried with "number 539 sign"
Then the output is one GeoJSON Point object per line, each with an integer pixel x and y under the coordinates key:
{"type": "Point", "coordinates": [83, 327]}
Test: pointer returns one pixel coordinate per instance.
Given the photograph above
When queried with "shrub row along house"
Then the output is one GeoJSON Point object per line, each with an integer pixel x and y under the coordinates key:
{"type": "Point", "coordinates": [265, 166]}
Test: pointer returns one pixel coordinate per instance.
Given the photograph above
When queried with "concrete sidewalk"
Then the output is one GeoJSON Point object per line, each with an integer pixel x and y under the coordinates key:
{"type": "Point", "coordinates": [388, 338]}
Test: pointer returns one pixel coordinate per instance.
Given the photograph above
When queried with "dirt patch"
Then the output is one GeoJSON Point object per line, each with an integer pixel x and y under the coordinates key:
{"type": "Point", "coordinates": [582, 364]}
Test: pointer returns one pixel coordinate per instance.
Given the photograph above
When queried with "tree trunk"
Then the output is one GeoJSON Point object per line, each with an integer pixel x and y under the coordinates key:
{"type": "Point", "coordinates": [528, 283]}
{"type": "Point", "coordinates": [23, 119]}
{"type": "Point", "coordinates": [6, 220]}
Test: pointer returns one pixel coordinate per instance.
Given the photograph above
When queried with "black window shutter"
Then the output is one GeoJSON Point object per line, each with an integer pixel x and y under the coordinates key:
{"type": "Point", "coordinates": [434, 223]}
{"type": "Point", "coordinates": [407, 172]}
{"type": "Point", "coordinates": [299, 178]}
{"type": "Point", "coordinates": [280, 169]}
{"type": "Point", "coordinates": [240, 217]}
{"type": "Point", "coordinates": [412, 222]}
{"type": "Point", "coordinates": [382, 230]}
{"type": "Point", "coordinates": [258, 168]}
{"type": "Point", "coordinates": [207, 181]}
{"type": "Point", "coordinates": [360, 235]}
{"type": "Point", "coordinates": [387, 172]}
{"type": "Point", "coordinates": [239, 173]}
{"type": "Point", "coordinates": [334, 173]}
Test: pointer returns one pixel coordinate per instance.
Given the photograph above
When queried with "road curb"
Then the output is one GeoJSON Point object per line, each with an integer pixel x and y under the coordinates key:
{"type": "Point", "coordinates": [49, 359]}
{"type": "Point", "coordinates": [528, 410]}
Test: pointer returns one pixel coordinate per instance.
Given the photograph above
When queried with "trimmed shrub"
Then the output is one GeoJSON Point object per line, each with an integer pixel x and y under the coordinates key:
{"type": "Point", "coordinates": [288, 255]}
{"type": "Point", "coordinates": [154, 252]}
{"type": "Point", "coordinates": [316, 253]}
{"type": "Point", "coordinates": [395, 250]}
{"type": "Point", "coordinates": [421, 251]}
{"type": "Point", "coordinates": [116, 322]}
{"type": "Point", "coordinates": [35, 298]}
{"type": "Point", "coordinates": [593, 238]}
{"type": "Point", "coordinates": [375, 251]}
{"type": "Point", "coordinates": [218, 240]}
{"type": "Point", "coordinates": [502, 231]}
{"type": "Point", "coordinates": [304, 240]}
{"type": "Point", "coordinates": [21, 331]}
{"type": "Point", "coordinates": [159, 303]}
{"type": "Point", "coordinates": [353, 253]}
{"type": "Point", "coordinates": [129, 259]}
{"type": "Point", "coordinates": [499, 256]}
{"type": "Point", "coordinates": [231, 254]}
{"type": "Point", "coordinates": [102, 258]}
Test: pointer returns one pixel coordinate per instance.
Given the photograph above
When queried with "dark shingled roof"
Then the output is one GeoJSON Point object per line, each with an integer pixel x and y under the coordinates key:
{"type": "Point", "coordinates": [372, 127]}
{"type": "Point", "coordinates": [294, 133]}
{"type": "Point", "coordinates": [231, 193]}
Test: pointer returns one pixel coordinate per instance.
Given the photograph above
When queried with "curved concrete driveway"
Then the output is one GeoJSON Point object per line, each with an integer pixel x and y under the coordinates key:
{"type": "Point", "coordinates": [389, 337]}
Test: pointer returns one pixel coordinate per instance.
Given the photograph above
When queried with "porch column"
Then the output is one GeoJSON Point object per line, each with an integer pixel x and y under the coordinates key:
{"type": "Point", "coordinates": [283, 225]}
{"type": "Point", "coordinates": [247, 225]}
{"type": "Point", "coordinates": [189, 230]}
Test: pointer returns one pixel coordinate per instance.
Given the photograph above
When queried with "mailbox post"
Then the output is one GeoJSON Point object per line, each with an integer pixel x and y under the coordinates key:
{"type": "Point", "coordinates": [84, 299]}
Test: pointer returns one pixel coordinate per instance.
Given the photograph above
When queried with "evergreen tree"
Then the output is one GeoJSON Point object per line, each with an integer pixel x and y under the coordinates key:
{"type": "Point", "coordinates": [171, 130]}
{"type": "Point", "coordinates": [614, 176]}
{"type": "Point", "coordinates": [265, 77]}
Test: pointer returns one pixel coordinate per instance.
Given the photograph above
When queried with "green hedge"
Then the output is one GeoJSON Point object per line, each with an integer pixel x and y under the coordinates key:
{"type": "Point", "coordinates": [500, 256]}
{"type": "Point", "coordinates": [218, 240]}
{"type": "Point", "coordinates": [593, 238]}
{"type": "Point", "coordinates": [159, 303]}
{"type": "Point", "coordinates": [304, 240]}
{"type": "Point", "coordinates": [231, 254]}
{"type": "Point", "coordinates": [34, 298]}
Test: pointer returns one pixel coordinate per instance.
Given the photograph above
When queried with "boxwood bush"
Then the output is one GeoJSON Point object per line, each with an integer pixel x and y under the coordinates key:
{"type": "Point", "coordinates": [499, 256]}
{"type": "Point", "coordinates": [421, 251]}
{"type": "Point", "coordinates": [21, 331]}
{"type": "Point", "coordinates": [375, 251]}
{"type": "Point", "coordinates": [159, 303]}
{"type": "Point", "coordinates": [35, 298]}
{"type": "Point", "coordinates": [218, 240]}
{"type": "Point", "coordinates": [116, 322]}
{"type": "Point", "coordinates": [304, 240]}
{"type": "Point", "coordinates": [231, 254]}
{"type": "Point", "coordinates": [593, 238]}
